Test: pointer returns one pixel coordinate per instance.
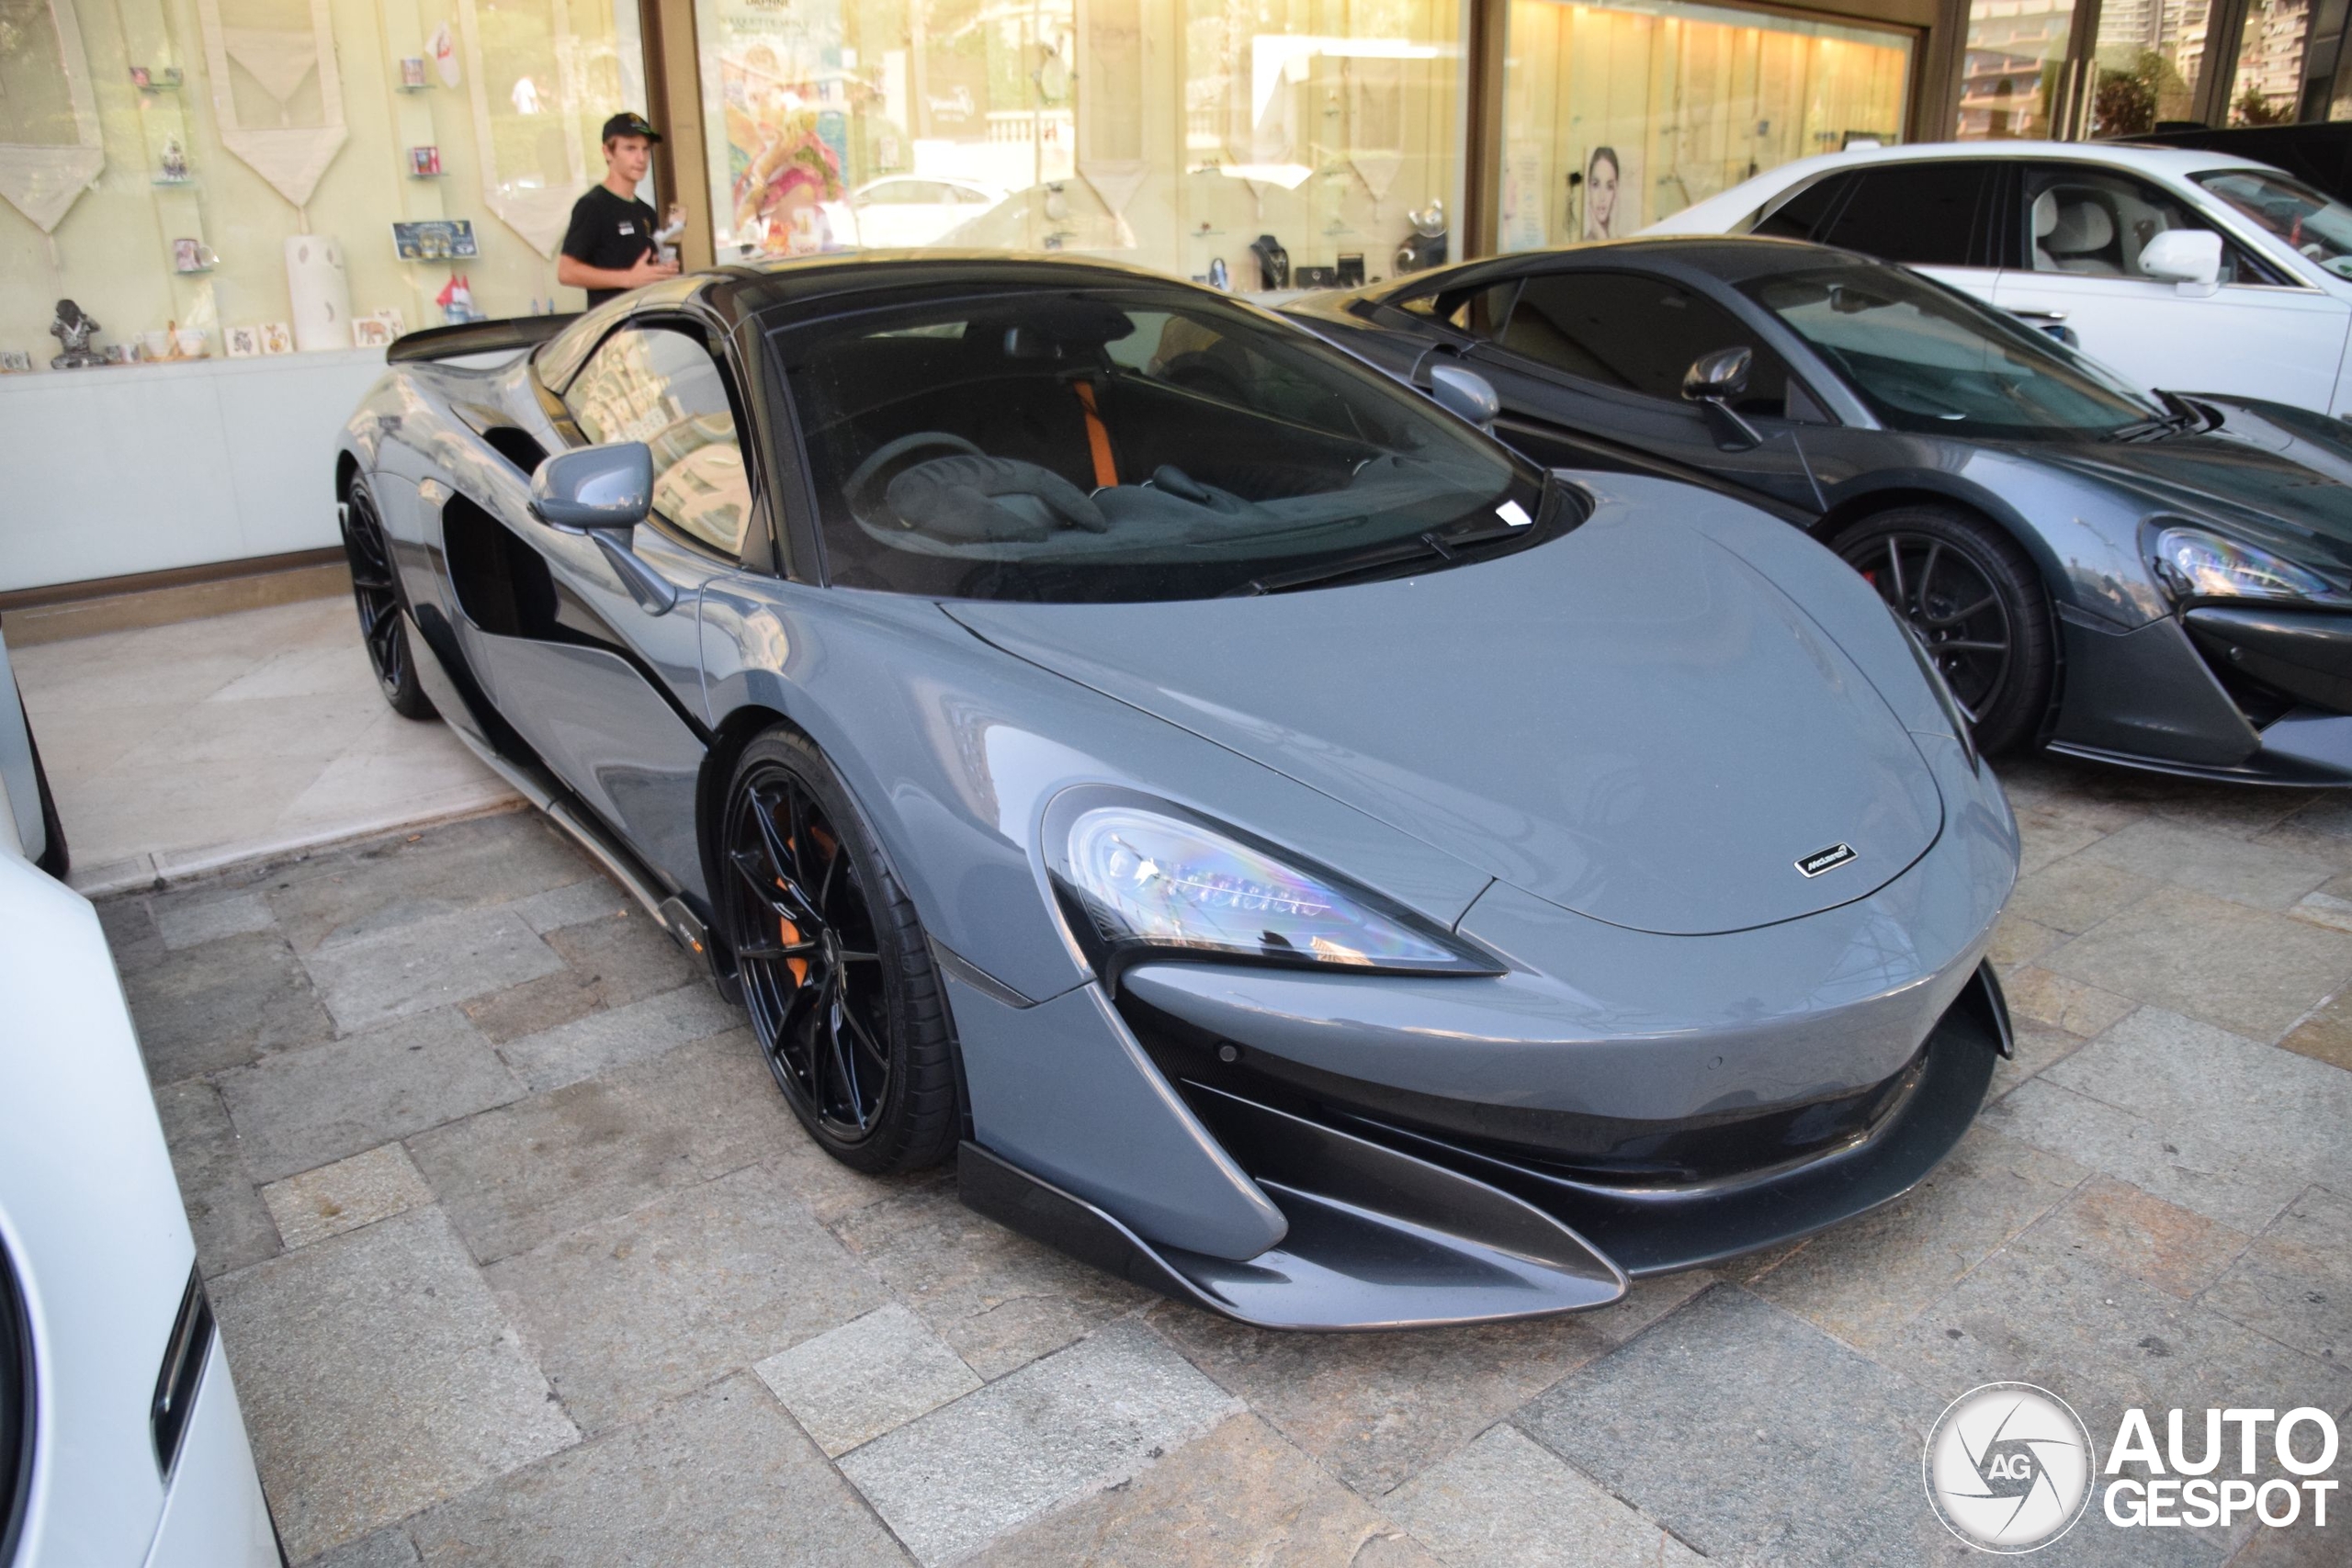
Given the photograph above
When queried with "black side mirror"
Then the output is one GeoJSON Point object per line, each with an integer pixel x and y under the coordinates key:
{"type": "Point", "coordinates": [1713, 380]}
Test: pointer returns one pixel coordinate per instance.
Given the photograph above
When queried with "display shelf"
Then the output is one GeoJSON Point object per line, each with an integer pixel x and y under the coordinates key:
{"type": "Point", "coordinates": [165, 181]}
{"type": "Point", "coordinates": [194, 271]}
{"type": "Point", "coordinates": [436, 174]}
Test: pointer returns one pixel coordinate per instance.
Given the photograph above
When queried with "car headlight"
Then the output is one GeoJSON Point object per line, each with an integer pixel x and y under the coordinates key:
{"type": "Point", "coordinates": [1960, 730]}
{"type": "Point", "coordinates": [2194, 563]}
{"type": "Point", "coordinates": [1137, 878]}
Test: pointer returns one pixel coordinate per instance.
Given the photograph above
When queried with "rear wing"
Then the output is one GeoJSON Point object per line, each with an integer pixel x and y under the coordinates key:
{"type": "Point", "coordinates": [475, 337]}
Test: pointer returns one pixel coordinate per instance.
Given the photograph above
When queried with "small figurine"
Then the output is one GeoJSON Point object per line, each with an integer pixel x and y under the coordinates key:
{"type": "Point", "coordinates": [74, 330]}
{"type": "Point", "coordinates": [175, 170]}
{"type": "Point", "coordinates": [456, 300]}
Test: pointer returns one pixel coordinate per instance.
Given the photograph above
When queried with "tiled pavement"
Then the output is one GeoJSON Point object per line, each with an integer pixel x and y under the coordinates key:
{"type": "Point", "coordinates": [520, 1259]}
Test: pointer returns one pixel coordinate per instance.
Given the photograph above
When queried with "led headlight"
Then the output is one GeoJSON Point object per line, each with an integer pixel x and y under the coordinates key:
{"type": "Point", "coordinates": [1138, 877]}
{"type": "Point", "coordinates": [2196, 564]}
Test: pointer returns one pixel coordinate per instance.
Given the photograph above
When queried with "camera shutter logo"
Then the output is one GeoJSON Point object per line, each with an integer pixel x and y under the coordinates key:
{"type": "Point", "coordinates": [2009, 1467]}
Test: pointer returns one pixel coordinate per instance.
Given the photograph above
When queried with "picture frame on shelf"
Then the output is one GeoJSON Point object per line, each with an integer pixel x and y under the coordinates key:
{"type": "Point", "coordinates": [276, 337]}
{"type": "Point", "coordinates": [142, 78]}
{"type": "Point", "coordinates": [193, 255]}
{"type": "Point", "coordinates": [434, 238]}
{"type": "Point", "coordinates": [412, 72]}
{"type": "Point", "coordinates": [242, 343]}
{"type": "Point", "coordinates": [378, 329]}
{"type": "Point", "coordinates": [424, 163]}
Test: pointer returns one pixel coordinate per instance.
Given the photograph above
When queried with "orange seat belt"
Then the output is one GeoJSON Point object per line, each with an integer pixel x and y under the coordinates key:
{"type": "Point", "coordinates": [1098, 437]}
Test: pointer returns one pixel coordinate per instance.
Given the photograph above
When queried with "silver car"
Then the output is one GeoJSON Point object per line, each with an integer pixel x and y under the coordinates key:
{"type": "Point", "coordinates": [1288, 849]}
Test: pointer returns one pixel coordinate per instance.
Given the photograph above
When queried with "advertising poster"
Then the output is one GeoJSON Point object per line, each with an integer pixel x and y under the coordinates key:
{"type": "Point", "coordinates": [783, 80]}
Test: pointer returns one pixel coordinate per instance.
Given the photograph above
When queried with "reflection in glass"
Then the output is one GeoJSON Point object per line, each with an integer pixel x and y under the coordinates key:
{"type": "Point", "coordinates": [1617, 116]}
{"type": "Point", "coordinates": [2270, 81]}
{"type": "Point", "coordinates": [2150, 53]}
{"type": "Point", "coordinates": [2012, 77]}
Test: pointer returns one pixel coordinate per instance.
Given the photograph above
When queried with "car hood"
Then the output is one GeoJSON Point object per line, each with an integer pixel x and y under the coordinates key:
{"type": "Point", "coordinates": [2281, 485]}
{"type": "Point", "coordinates": [1629, 721]}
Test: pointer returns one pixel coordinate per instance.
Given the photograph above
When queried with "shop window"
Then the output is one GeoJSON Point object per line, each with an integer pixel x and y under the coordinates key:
{"type": "Point", "coordinates": [226, 179]}
{"type": "Point", "coordinates": [662, 387]}
{"type": "Point", "coordinates": [1919, 214]}
{"type": "Point", "coordinates": [1617, 116]}
{"type": "Point", "coordinates": [2013, 74]}
{"type": "Point", "coordinates": [2148, 62]}
{"type": "Point", "coordinates": [1635, 332]}
{"type": "Point", "coordinates": [1245, 144]}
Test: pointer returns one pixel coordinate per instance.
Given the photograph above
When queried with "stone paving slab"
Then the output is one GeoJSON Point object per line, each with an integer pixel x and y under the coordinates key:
{"type": "Point", "coordinates": [634, 1310]}
{"type": "Point", "coordinates": [379, 1376]}
{"type": "Point", "coordinates": [2153, 1209]}
{"type": "Point", "coordinates": [721, 1476]}
{"type": "Point", "coordinates": [1059, 1429]}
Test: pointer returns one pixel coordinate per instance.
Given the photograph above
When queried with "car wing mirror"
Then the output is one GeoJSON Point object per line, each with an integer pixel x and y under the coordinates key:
{"type": "Point", "coordinates": [605, 493]}
{"type": "Point", "coordinates": [1465, 394]}
{"type": "Point", "coordinates": [2188, 258]}
{"type": "Point", "coordinates": [592, 489]}
{"type": "Point", "coordinates": [1713, 380]}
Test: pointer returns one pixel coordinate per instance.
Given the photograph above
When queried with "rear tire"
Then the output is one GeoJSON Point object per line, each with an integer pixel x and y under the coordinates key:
{"type": "Point", "coordinates": [383, 623]}
{"type": "Point", "coordinates": [1975, 599]}
{"type": "Point", "coordinates": [844, 998]}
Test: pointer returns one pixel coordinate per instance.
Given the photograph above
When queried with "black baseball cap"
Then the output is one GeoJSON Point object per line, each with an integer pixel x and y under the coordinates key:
{"type": "Point", "coordinates": [628, 123]}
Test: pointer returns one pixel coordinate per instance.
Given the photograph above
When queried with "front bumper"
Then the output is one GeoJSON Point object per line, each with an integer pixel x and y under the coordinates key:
{"type": "Point", "coordinates": [1394, 1229]}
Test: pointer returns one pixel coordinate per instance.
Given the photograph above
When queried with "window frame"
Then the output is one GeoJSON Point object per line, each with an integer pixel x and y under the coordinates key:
{"type": "Point", "coordinates": [1765, 337]}
{"type": "Point", "coordinates": [756, 529]}
{"type": "Point", "coordinates": [2018, 238]}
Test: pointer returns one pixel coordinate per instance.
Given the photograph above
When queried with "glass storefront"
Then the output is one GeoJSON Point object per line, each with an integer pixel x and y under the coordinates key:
{"type": "Point", "coordinates": [1615, 116]}
{"type": "Point", "coordinates": [2013, 75]}
{"type": "Point", "coordinates": [2150, 55]}
{"type": "Point", "coordinates": [1236, 140]}
{"type": "Point", "coordinates": [2268, 86]}
{"type": "Point", "coordinates": [222, 177]}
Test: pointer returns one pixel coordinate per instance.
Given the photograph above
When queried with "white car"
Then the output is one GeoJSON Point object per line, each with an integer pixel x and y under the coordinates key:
{"type": "Point", "coordinates": [2186, 270]}
{"type": "Point", "coordinates": [120, 1438]}
{"type": "Point", "coordinates": [907, 211]}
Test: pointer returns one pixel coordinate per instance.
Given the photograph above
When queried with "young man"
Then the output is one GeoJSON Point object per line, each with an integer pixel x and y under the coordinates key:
{"type": "Point", "coordinates": [609, 246]}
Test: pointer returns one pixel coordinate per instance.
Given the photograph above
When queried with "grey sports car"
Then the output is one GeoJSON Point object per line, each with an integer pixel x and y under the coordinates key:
{"type": "Point", "coordinates": [1295, 852]}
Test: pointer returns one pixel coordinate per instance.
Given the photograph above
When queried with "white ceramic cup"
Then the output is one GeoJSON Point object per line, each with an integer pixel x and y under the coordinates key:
{"type": "Point", "coordinates": [156, 344]}
{"type": "Point", "coordinates": [191, 341]}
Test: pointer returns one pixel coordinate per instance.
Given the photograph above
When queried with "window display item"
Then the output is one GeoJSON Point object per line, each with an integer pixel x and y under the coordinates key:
{"type": "Point", "coordinates": [434, 238]}
{"type": "Point", "coordinates": [1348, 274]}
{"type": "Point", "coordinates": [442, 47]}
{"type": "Point", "coordinates": [74, 330]}
{"type": "Point", "coordinates": [140, 79]}
{"type": "Point", "coordinates": [277, 92]}
{"type": "Point", "coordinates": [456, 300]}
{"type": "Point", "coordinates": [155, 344]}
{"type": "Point", "coordinates": [1273, 262]}
{"type": "Point", "coordinates": [378, 329]}
{"type": "Point", "coordinates": [276, 337]}
{"type": "Point", "coordinates": [1220, 276]}
{"type": "Point", "coordinates": [171, 167]}
{"type": "Point", "coordinates": [48, 158]}
{"type": "Point", "coordinates": [1316, 276]}
{"type": "Point", "coordinates": [120, 353]}
{"type": "Point", "coordinates": [1425, 246]}
{"type": "Point", "coordinates": [193, 343]}
{"type": "Point", "coordinates": [423, 162]}
{"type": "Point", "coordinates": [15, 362]}
{"type": "Point", "coordinates": [318, 291]}
{"type": "Point", "coordinates": [242, 343]}
{"type": "Point", "coordinates": [193, 255]}
{"type": "Point", "coordinates": [413, 71]}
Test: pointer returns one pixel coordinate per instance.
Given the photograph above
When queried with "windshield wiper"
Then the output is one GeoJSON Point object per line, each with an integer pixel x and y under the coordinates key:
{"type": "Point", "coordinates": [2185, 416]}
{"type": "Point", "coordinates": [1400, 552]}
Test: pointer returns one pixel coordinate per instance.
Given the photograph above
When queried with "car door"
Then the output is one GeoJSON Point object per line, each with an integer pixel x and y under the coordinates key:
{"type": "Point", "coordinates": [597, 662]}
{"type": "Point", "coordinates": [1602, 352]}
{"type": "Point", "coordinates": [2080, 233]}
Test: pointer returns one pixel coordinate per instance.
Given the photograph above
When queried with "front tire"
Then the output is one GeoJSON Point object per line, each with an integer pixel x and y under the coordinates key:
{"type": "Point", "coordinates": [1975, 599]}
{"type": "Point", "coordinates": [383, 624]}
{"type": "Point", "coordinates": [844, 998]}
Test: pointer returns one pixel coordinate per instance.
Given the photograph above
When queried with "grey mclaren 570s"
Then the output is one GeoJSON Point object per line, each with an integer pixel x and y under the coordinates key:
{"type": "Point", "coordinates": [1288, 849]}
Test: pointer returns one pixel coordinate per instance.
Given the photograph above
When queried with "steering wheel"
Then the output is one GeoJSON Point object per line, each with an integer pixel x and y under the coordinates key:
{"type": "Point", "coordinates": [884, 456]}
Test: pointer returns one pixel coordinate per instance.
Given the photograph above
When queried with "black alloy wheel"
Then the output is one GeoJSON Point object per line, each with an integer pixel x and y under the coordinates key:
{"type": "Point", "coordinates": [383, 627]}
{"type": "Point", "coordinates": [1975, 601]}
{"type": "Point", "coordinates": [842, 994]}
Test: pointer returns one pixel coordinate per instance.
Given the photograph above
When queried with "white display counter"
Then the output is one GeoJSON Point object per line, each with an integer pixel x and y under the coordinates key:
{"type": "Point", "coordinates": [142, 467]}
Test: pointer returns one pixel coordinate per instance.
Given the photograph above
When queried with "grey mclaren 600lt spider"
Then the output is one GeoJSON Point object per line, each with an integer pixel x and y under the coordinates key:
{"type": "Point", "coordinates": [1288, 849]}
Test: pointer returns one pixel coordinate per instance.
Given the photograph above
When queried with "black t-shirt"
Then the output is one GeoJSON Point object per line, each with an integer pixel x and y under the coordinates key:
{"type": "Point", "coordinates": [608, 230]}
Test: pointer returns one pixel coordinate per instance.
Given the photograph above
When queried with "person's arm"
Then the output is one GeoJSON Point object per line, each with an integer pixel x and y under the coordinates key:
{"type": "Point", "coordinates": [573, 273]}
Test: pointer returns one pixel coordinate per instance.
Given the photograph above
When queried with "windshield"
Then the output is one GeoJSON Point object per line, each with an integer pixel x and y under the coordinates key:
{"type": "Point", "coordinates": [2315, 226]}
{"type": "Point", "coordinates": [1924, 359]}
{"type": "Point", "coordinates": [1124, 444]}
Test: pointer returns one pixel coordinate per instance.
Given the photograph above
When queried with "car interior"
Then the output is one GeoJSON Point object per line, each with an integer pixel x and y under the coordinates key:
{"type": "Point", "coordinates": [1071, 426]}
{"type": "Point", "coordinates": [2097, 225]}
